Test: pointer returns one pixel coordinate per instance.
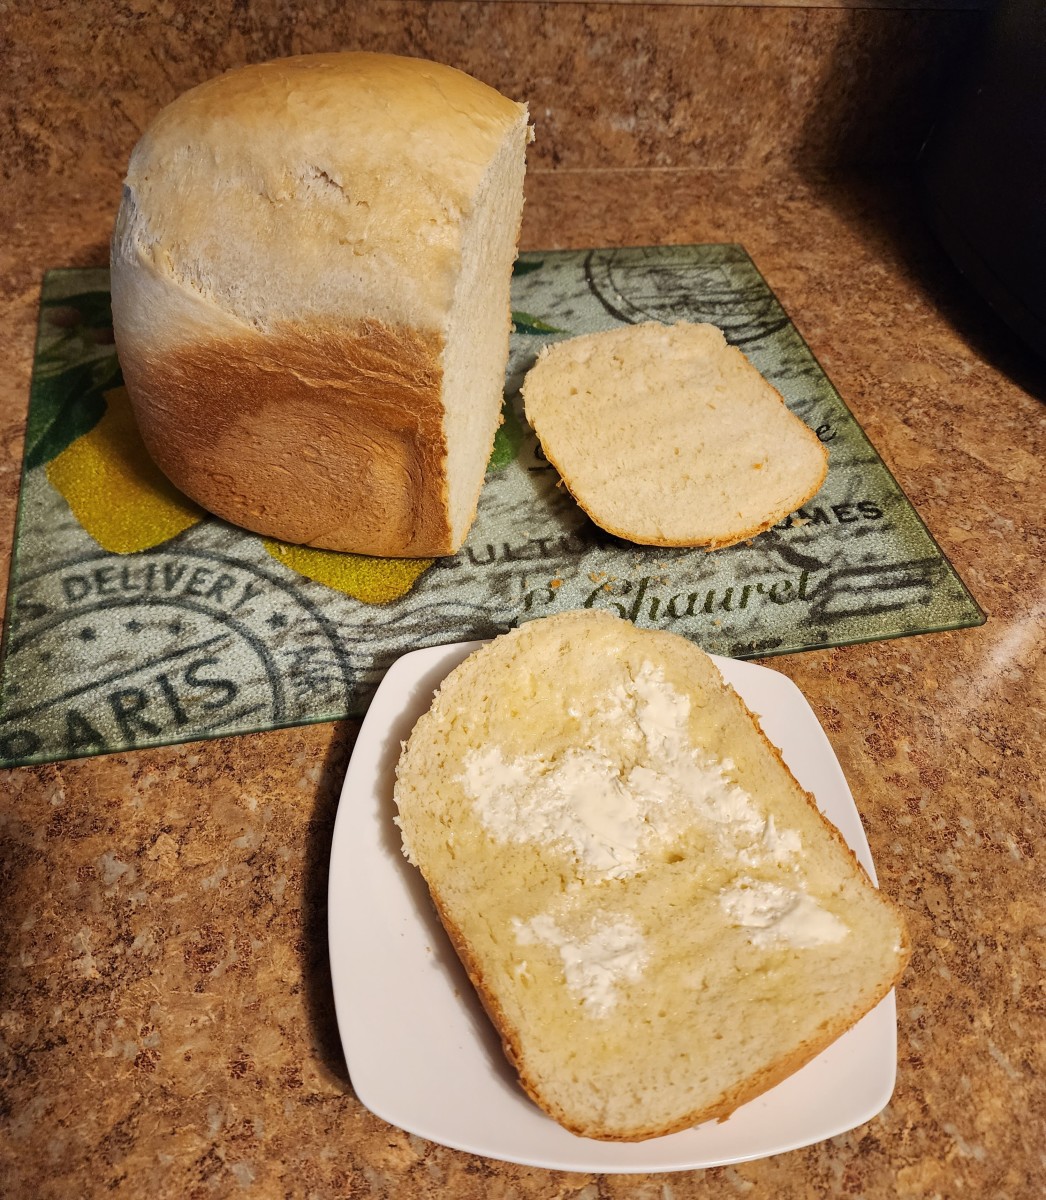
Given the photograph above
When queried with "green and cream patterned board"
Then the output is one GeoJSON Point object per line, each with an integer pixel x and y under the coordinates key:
{"type": "Point", "coordinates": [136, 619]}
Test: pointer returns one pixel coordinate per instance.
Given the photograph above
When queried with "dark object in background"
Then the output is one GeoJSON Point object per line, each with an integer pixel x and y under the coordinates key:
{"type": "Point", "coordinates": [984, 171]}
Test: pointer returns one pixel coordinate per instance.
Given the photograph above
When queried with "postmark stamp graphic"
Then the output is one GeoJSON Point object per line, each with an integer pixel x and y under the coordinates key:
{"type": "Point", "coordinates": [161, 647]}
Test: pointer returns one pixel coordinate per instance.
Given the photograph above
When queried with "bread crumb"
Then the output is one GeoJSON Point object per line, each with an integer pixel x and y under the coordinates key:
{"type": "Point", "coordinates": [798, 522]}
{"type": "Point", "coordinates": [555, 583]}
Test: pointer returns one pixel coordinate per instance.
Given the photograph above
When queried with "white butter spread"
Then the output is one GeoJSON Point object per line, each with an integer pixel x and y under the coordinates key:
{"type": "Point", "coordinates": [611, 804]}
{"type": "Point", "coordinates": [780, 916]}
{"type": "Point", "coordinates": [780, 846]}
{"type": "Point", "coordinates": [593, 966]}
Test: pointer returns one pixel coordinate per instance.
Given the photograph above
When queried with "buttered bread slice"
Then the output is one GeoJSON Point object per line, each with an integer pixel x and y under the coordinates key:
{"type": "Point", "coordinates": [657, 918]}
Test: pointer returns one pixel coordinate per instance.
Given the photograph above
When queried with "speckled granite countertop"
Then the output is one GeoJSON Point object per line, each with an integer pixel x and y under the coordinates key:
{"type": "Point", "coordinates": [166, 1022]}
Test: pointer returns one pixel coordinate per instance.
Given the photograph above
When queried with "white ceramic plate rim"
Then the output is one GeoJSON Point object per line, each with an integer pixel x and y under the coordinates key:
{"type": "Point", "coordinates": [422, 1054]}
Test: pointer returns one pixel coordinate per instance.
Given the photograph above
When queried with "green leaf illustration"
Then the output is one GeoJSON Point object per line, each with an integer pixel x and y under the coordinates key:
{"type": "Point", "coordinates": [525, 323]}
{"type": "Point", "coordinates": [525, 266]}
{"type": "Point", "coordinates": [507, 440]}
{"type": "Point", "coordinates": [64, 406]}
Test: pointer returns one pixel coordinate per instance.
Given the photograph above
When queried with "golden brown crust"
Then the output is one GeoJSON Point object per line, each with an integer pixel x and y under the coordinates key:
{"type": "Point", "coordinates": [320, 435]}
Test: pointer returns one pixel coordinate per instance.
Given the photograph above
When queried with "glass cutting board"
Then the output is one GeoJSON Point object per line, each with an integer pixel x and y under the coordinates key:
{"type": "Point", "coordinates": [136, 619]}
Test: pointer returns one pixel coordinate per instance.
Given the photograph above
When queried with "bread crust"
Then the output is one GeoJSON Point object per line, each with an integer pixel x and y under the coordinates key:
{"type": "Point", "coordinates": [317, 184]}
{"type": "Point", "coordinates": [318, 435]}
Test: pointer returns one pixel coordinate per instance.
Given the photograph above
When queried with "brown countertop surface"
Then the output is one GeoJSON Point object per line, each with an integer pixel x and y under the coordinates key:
{"type": "Point", "coordinates": [166, 1022]}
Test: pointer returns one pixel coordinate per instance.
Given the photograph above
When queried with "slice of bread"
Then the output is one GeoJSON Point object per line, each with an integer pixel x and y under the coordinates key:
{"type": "Point", "coordinates": [667, 436]}
{"type": "Point", "coordinates": [657, 918]}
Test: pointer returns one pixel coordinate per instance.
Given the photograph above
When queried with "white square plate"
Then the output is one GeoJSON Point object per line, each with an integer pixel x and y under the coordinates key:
{"type": "Point", "coordinates": [421, 1051]}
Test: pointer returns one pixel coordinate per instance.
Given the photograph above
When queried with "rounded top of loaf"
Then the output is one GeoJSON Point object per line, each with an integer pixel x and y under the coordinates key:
{"type": "Point", "coordinates": [299, 188]}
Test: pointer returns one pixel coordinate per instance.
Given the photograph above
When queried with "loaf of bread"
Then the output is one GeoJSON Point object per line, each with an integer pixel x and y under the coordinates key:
{"type": "Point", "coordinates": [667, 436]}
{"type": "Point", "coordinates": [310, 282]}
{"type": "Point", "coordinates": [658, 920]}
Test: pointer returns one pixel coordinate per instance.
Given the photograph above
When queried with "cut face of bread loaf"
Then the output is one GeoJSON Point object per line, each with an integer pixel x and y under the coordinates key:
{"type": "Point", "coordinates": [310, 281]}
{"type": "Point", "coordinates": [657, 918]}
{"type": "Point", "coordinates": [668, 436]}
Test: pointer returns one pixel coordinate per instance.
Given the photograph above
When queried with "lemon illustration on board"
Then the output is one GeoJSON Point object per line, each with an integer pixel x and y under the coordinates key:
{"type": "Point", "coordinates": [370, 580]}
{"type": "Point", "coordinates": [116, 492]}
